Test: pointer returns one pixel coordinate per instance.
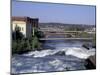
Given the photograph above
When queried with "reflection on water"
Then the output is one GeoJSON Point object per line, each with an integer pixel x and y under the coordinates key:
{"type": "Point", "coordinates": [65, 55]}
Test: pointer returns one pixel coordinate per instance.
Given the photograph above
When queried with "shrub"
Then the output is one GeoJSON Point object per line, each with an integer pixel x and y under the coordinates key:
{"type": "Point", "coordinates": [21, 44]}
{"type": "Point", "coordinates": [35, 42]}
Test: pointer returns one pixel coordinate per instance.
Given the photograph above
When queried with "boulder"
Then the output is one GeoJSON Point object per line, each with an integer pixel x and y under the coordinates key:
{"type": "Point", "coordinates": [60, 53]}
{"type": "Point", "coordinates": [91, 62]}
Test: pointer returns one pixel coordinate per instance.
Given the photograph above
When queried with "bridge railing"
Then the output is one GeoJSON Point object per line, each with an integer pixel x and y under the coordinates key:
{"type": "Point", "coordinates": [66, 39]}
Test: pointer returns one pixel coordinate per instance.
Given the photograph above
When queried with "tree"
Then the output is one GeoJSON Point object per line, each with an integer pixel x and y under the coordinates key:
{"type": "Point", "coordinates": [37, 33]}
{"type": "Point", "coordinates": [17, 35]}
{"type": "Point", "coordinates": [21, 44]}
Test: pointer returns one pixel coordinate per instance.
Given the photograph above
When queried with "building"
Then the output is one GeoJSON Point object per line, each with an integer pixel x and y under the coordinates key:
{"type": "Point", "coordinates": [26, 25]}
{"type": "Point", "coordinates": [91, 30]}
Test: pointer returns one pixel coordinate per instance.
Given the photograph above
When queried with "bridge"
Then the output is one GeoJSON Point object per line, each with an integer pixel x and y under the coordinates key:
{"type": "Point", "coordinates": [87, 39]}
{"type": "Point", "coordinates": [60, 30]}
{"type": "Point", "coordinates": [52, 30]}
{"type": "Point", "coordinates": [63, 35]}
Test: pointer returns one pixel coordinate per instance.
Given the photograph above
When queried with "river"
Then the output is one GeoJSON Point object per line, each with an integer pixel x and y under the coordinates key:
{"type": "Point", "coordinates": [57, 55]}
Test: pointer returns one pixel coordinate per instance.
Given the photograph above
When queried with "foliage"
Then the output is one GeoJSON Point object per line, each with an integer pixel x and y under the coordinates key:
{"type": "Point", "coordinates": [17, 35]}
{"type": "Point", "coordinates": [94, 41]}
{"type": "Point", "coordinates": [73, 28]}
{"type": "Point", "coordinates": [20, 44]}
{"type": "Point", "coordinates": [35, 42]}
{"type": "Point", "coordinates": [83, 35]}
{"type": "Point", "coordinates": [37, 33]}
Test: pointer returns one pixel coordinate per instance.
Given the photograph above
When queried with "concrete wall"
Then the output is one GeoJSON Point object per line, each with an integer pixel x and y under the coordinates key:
{"type": "Point", "coordinates": [29, 30]}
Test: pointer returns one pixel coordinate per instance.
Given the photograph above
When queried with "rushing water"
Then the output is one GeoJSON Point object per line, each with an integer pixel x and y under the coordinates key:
{"type": "Point", "coordinates": [60, 55]}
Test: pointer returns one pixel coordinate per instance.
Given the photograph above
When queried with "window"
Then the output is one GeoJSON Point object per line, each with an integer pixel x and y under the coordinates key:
{"type": "Point", "coordinates": [16, 25]}
{"type": "Point", "coordinates": [22, 29]}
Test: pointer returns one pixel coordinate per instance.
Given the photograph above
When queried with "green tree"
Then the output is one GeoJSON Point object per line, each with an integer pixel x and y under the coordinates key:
{"type": "Point", "coordinates": [17, 35]}
{"type": "Point", "coordinates": [21, 44]}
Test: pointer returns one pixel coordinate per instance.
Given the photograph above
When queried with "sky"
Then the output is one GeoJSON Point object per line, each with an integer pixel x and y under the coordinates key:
{"type": "Point", "coordinates": [53, 12]}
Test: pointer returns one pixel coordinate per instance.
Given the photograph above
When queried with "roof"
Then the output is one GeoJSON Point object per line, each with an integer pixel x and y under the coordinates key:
{"type": "Point", "coordinates": [16, 18]}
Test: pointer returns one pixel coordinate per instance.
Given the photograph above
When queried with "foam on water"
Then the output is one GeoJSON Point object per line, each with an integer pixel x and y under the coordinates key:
{"type": "Point", "coordinates": [47, 60]}
{"type": "Point", "coordinates": [74, 51]}
{"type": "Point", "coordinates": [47, 64]}
{"type": "Point", "coordinates": [80, 52]}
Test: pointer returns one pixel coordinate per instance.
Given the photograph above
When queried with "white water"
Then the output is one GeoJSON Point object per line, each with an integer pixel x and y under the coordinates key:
{"type": "Point", "coordinates": [50, 60]}
{"type": "Point", "coordinates": [74, 51]}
